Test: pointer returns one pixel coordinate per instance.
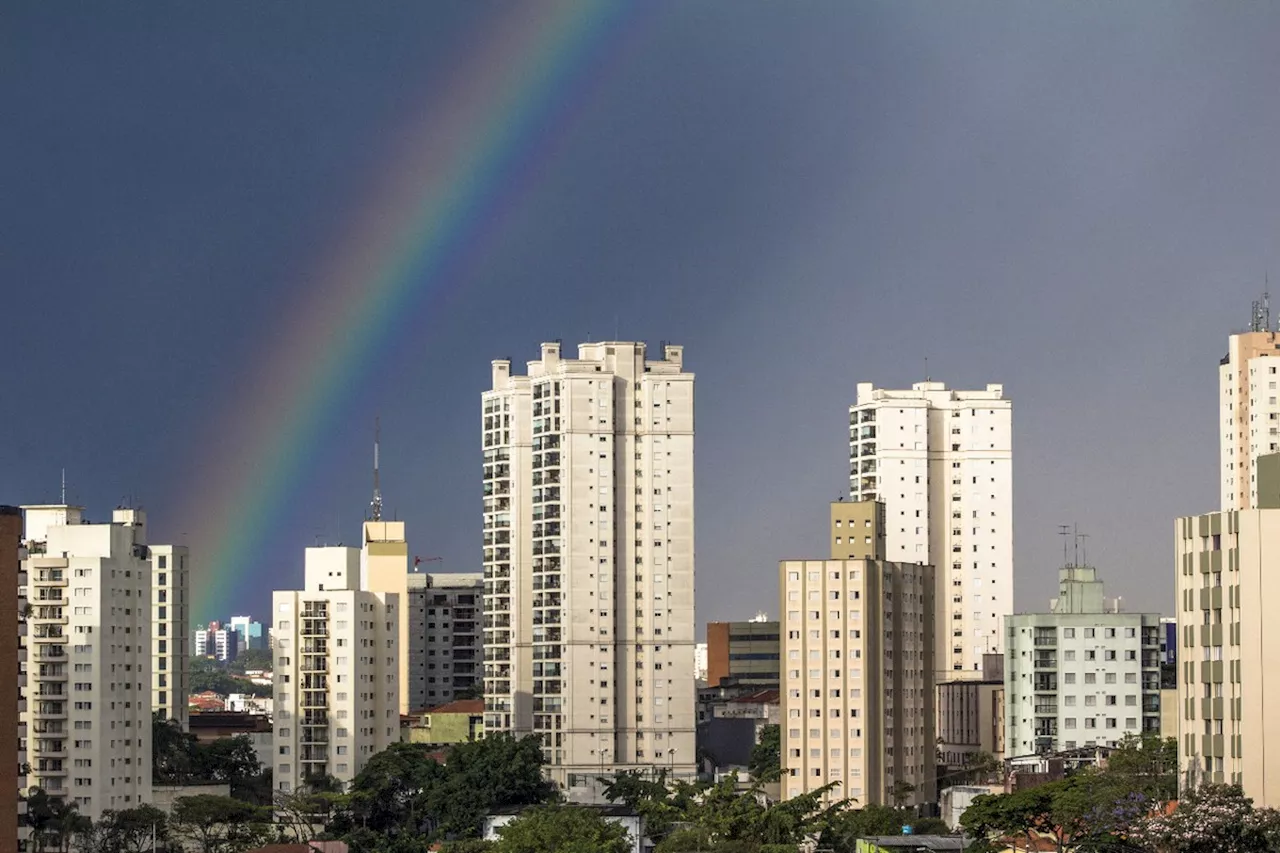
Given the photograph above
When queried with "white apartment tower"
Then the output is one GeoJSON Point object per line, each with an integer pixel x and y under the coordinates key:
{"type": "Point", "coordinates": [88, 711]}
{"type": "Point", "coordinates": [170, 631]}
{"type": "Point", "coordinates": [589, 560]}
{"type": "Point", "coordinates": [941, 462]}
{"type": "Point", "coordinates": [337, 690]}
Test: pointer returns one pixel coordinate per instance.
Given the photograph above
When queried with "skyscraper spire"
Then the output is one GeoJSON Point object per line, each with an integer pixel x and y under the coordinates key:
{"type": "Point", "coordinates": [376, 503]}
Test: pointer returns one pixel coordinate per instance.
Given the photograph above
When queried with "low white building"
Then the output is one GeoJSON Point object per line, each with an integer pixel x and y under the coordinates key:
{"type": "Point", "coordinates": [1082, 674]}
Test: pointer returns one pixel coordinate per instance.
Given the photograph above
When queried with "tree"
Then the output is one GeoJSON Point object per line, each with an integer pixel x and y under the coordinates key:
{"type": "Point", "coordinates": [1210, 819]}
{"type": "Point", "coordinates": [386, 796]}
{"type": "Point", "coordinates": [300, 811]}
{"type": "Point", "coordinates": [496, 772]}
{"type": "Point", "coordinates": [256, 659]}
{"type": "Point", "coordinates": [901, 792]}
{"type": "Point", "coordinates": [1146, 763]}
{"type": "Point", "coordinates": [766, 757]}
{"type": "Point", "coordinates": [219, 824]}
{"type": "Point", "coordinates": [54, 820]}
{"type": "Point", "coordinates": [562, 829]}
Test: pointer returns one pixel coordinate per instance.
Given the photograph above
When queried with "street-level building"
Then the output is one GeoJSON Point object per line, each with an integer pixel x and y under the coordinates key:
{"type": "Point", "coordinates": [858, 690]}
{"type": "Point", "coordinates": [170, 631]}
{"type": "Point", "coordinates": [88, 710]}
{"type": "Point", "coordinates": [1082, 674]}
{"type": "Point", "coordinates": [589, 560]}
{"type": "Point", "coordinates": [941, 462]}
{"type": "Point", "coordinates": [336, 674]}
{"type": "Point", "coordinates": [445, 637]}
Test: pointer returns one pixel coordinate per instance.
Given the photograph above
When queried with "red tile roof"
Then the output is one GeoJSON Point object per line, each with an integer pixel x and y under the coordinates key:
{"type": "Point", "coordinates": [473, 707]}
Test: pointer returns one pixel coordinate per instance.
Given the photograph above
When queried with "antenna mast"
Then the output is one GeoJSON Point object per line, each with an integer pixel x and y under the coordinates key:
{"type": "Point", "coordinates": [376, 503]}
{"type": "Point", "coordinates": [64, 486]}
{"type": "Point", "coordinates": [1064, 530]}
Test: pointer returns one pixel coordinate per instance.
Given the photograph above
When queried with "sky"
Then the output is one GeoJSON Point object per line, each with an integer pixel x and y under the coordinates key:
{"type": "Point", "coordinates": [1078, 201]}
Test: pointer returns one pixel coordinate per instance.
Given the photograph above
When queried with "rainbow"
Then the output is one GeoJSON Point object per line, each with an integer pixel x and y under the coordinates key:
{"type": "Point", "coordinates": [458, 165]}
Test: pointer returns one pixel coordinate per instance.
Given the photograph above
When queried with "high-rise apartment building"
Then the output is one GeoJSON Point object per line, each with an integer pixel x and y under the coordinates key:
{"type": "Point", "coordinates": [589, 559]}
{"type": "Point", "coordinates": [1082, 674]}
{"type": "Point", "coordinates": [170, 631]}
{"type": "Point", "coordinates": [445, 638]}
{"type": "Point", "coordinates": [1249, 413]}
{"type": "Point", "coordinates": [858, 689]}
{"type": "Point", "coordinates": [88, 714]}
{"type": "Point", "coordinates": [13, 735]}
{"type": "Point", "coordinates": [384, 568]}
{"type": "Point", "coordinates": [336, 674]}
{"type": "Point", "coordinates": [941, 462]}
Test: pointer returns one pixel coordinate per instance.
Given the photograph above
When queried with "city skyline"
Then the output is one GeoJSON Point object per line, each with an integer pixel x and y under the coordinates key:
{"type": "Point", "coordinates": [1071, 223]}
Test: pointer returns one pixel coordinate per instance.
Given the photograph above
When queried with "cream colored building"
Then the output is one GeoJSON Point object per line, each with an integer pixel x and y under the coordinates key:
{"type": "Point", "coordinates": [589, 560]}
{"type": "Point", "coordinates": [384, 568]}
{"type": "Point", "coordinates": [1249, 411]}
{"type": "Point", "coordinates": [170, 631]}
{"type": "Point", "coordinates": [857, 530]}
{"type": "Point", "coordinates": [1228, 578]}
{"type": "Point", "coordinates": [857, 682]}
{"type": "Point", "coordinates": [941, 462]}
{"type": "Point", "coordinates": [88, 657]}
{"type": "Point", "coordinates": [336, 674]}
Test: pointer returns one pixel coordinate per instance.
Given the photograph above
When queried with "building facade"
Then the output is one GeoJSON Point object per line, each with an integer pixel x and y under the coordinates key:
{"type": "Point", "coordinates": [971, 717]}
{"type": "Point", "coordinates": [1082, 674]}
{"type": "Point", "coordinates": [1227, 582]}
{"type": "Point", "coordinates": [336, 674]}
{"type": "Point", "coordinates": [88, 714]}
{"type": "Point", "coordinates": [249, 631]}
{"type": "Point", "coordinates": [13, 670]}
{"type": "Point", "coordinates": [384, 568]}
{"type": "Point", "coordinates": [445, 637]}
{"type": "Point", "coordinates": [857, 530]}
{"type": "Point", "coordinates": [858, 690]}
{"type": "Point", "coordinates": [589, 559]}
{"type": "Point", "coordinates": [170, 631]}
{"type": "Point", "coordinates": [941, 462]}
{"type": "Point", "coordinates": [744, 651]}
{"type": "Point", "coordinates": [1249, 414]}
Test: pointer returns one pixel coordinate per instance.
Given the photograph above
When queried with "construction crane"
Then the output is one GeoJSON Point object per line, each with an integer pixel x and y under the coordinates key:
{"type": "Point", "coordinates": [419, 560]}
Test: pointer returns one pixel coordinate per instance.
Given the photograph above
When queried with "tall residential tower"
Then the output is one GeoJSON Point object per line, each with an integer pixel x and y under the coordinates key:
{"type": "Point", "coordinates": [170, 631]}
{"type": "Point", "coordinates": [941, 462]}
{"type": "Point", "coordinates": [589, 559]}
{"type": "Point", "coordinates": [1249, 413]}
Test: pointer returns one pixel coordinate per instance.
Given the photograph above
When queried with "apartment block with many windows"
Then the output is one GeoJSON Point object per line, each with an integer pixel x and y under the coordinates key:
{"type": "Point", "coordinates": [589, 559]}
{"type": "Point", "coordinates": [88, 711]}
{"type": "Point", "coordinates": [941, 462]}
{"type": "Point", "coordinates": [445, 637]}
{"type": "Point", "coordinates": [858, 689]}
{"type": "Point", "coordinates": [336, 674]}
{"type": "Point", "coordinates": [170, 631]}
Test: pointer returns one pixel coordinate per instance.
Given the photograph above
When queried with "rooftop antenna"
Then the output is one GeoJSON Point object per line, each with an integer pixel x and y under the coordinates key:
{"type": "Point", "coordinates": [1064, 530]}
{"type": "Point", "coordinates": [1084, 549]}
{"type": "Point", "coordinates": [926, 368]}
{"type": "Point", "coordinates": [64, 486]}
{"type": "Point", "coordinates": [1261, 320]}
{"type": "Point", "coordinates": [376, 503]}
{"type": "Point", "coordinates": [1075, 556]}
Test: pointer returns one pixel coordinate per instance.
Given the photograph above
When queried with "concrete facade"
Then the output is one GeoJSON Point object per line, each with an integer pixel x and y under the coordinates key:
{"type": "Point", "coordinates": [858, 690]}
{"type": "Point", "coordinates": [589, 559]}
{"type": "Point", "coordinates": [13, 734]}
{"type": "Point", "coordinates": [1082, 674]}
{"type": "Point", "coordinates": [170, 631]}
{"type": "Point", "coordinates": [941, 462]}
{"type": "Point", "coordinates": [744, 651]}
{"type": "Point", "coordinates": [337, 692]}
{"type": "Point", "coordinates": [971, 716]}
{"type": "Point", "coordinates": [445, 637]}
{"type": "Point", "coordinates": [1249, 413]}
{"type": "Point", "coordinates": [384, 568]}
{"type": "Point", "coordinates": [858, 530]}
{"type": "Point", "coordinates": [1227, 582]}
{"type": "Point", "coordinates": [454, 722]}
{"type": "Point", "coordinates": [88, 715]}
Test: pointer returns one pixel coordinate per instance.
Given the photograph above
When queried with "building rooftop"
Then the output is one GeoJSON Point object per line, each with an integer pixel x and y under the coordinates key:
{"type": "Point", "coordinates": [474, 707]}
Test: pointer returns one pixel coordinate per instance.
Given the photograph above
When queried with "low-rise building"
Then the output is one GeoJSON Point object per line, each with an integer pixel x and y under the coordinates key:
{"type": "Point", "coordinates": [460, 721]}
{"type": "Point", "coordinates": [971, 717]}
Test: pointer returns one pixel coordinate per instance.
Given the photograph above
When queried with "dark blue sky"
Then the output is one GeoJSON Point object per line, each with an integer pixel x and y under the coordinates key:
{"type": "Point", "coordinates": [1077, 200]}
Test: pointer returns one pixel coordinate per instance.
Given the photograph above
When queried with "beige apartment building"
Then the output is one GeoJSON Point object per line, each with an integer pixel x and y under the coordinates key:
{"type": "Point", "coordinates": [170, 631]}
{"type": "Point", "coordinates": [589, 560]}
{"type": "Point", "coordinates": [336, 674]}
{"type": "Point", "coordinates": [857, 530]}
{"type": "Point", "coordinates": [971, 716]}
{"type": "Point", "coordinates": [1249, 408]}
{"type": "Point", "coordinates": [858, 689]}
{"type": "Point", "coordinates": [1228, 586]}
{"type": "Point", "coordinates": [384, 568]}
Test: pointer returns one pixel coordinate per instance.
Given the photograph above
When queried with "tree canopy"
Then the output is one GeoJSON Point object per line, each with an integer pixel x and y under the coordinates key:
{"type": "Point", "coordinates": [561, 828]}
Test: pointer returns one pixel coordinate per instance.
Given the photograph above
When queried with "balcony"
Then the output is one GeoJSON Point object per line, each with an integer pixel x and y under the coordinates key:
{"type": "Point", "coordinates": [1046, 639]}
{"type": "Point", "coordinates": [1043, 707]}
{"type": "Point", "coordinates": [1044, 682]}
{"type": "Point", "coordinates": [1046, 660]}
